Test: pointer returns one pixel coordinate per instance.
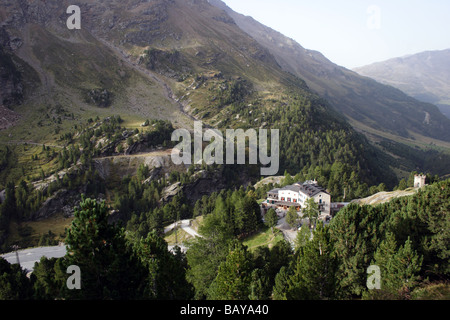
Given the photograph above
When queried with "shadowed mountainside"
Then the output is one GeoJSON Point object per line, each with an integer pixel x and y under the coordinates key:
{"type": "Point", "coordinates": [359, 98]}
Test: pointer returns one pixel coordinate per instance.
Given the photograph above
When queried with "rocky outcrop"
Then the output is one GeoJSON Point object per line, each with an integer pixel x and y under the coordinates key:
{"type": "Point", "coordinates": [202, 183]}
{"type": "Point", "coordinates": [100, 97]}
{"type": "Point", "coordinates": [159, 164]}
{"type": "Point", "coordinates": [62, 202]}
{"type": "Point", "coordinates": [273, 180]}
{"type": "Point", "coordinates": [7, 117]}
{"type": "Point", "coordinates": [171, 191]}
{"type": "Point", "coordinates": [11, 87]}
{"type": "Point", "coordinates": [383, 197]}
{"type": "Point", "coordinates": [43, 185]}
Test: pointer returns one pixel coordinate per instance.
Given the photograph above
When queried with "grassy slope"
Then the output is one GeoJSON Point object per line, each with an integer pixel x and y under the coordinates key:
{"type": "Point", "coordinates": [57, 224]}
{"type": "Point", "coordinates": [264, 238]}
{"type": "Point", "coordinates": [418, 140]}
{"type": "Point", "coordinates": [57, 71]}
{"type": "Point", "coordinates": [69, 68]}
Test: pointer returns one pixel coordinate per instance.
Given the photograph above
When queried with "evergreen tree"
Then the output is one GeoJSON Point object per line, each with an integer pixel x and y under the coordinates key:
{"type": "Point", "coordinates": [271, 218]}
{"type": "Point", "coordinates": [400, 267]}
{"type": "Point", "coordinates": [259, 285]}
{"type": "Point", "coordinates": [402, 185]}
{"type": "Point", "coordinates": [356, 231]}
{"type": "Point", "coordinates": [166, 279]}
{"type": "Point", "coordinates": [49, 279]}
{"type": "Point", "coordinates": [406, 266]}
{"type": "Point", "coordinates": [109, 269]}
{"type": "Point", "coordinates": [303, 237]}
{"type": "Point", "coordinates": [311, 211]}
{"type": "Point", "coordinates": [206, 253]}
{"type": "Point", "coordinates": [220, 222]}
{"type": "Point", "coordinates": [292, 217]}
{"type": "Point", "coordinates": [314, 271]}
{"type": "Point", "coordinates": [280, 287]}
{"type": "Point", "coordinates": [247, 216]}
{"type": "Point", "coordinates": [234, 276]}
{"type": "Point", "coordinates": [288, 180]}
{"type": "Point", "coordinates": [14, 284]}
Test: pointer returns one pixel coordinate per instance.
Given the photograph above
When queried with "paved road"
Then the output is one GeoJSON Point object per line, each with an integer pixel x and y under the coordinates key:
{"type": "Point", "coordinates": [28, 257]}
{"type": "Point", "coordinates": [289, 234]}
{"type": "Point", "coordinates": [185, 225]}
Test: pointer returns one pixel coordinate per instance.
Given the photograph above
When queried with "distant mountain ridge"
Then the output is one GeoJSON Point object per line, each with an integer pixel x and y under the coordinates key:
{"type": "Point", "coordinates": [359, 98]}
{"type": "Point", "coordinates": [424, 76]}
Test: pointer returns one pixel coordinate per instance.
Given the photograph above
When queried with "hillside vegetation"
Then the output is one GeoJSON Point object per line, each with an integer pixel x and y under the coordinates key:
{"type": "Point", "coordinates": [360, 99]}
{"type": "Point", "coordinates": [404, 237]}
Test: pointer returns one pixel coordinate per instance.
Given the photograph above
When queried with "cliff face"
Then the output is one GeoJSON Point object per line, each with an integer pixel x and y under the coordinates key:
{"type": "Point", "coordinates": [11, 87]}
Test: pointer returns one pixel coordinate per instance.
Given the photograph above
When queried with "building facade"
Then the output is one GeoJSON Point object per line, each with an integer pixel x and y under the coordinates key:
{"type": "Point", "coordinates": [419, 180]}
{"type": "Point", "coordinates": [296, 196]}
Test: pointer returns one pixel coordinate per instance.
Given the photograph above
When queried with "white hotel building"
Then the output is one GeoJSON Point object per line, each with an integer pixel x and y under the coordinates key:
{"type": "Point", "coordinates": [296, 196]}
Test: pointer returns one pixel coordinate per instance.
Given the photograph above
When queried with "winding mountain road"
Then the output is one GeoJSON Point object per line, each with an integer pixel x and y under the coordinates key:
{"type": "Point", "coordinates": [28, 257]}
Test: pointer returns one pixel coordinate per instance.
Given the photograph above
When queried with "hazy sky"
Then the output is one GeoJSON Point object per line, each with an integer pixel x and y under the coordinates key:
{"type": "Point", "coordinates": [354, 33]}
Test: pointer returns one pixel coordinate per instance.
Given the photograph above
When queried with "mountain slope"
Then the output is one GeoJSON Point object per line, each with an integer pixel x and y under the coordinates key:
{"type": "Point", "coordinates": [176, 60]}
{"type": "Point", "coordinates": [424, 76]}
{"type": "Point", "coordinates": [361, 99]}
{"type": "Point", "coordinates": [66, 74]}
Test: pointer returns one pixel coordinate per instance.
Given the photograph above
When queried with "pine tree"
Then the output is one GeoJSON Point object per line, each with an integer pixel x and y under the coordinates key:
{"type": "Point", "coordinates": [14, 284]}
{"type": "Point", "coordinates": [271, 218]}
{"type": "Point", "coordinates": [385, 253]}
{"type": "Point", "coordinates": [311, 211]}
{"type": "Point", "coordinates": [234, 276]}
{"type": "Point", "coordinates": [400, 267]}
{"type": "Point", "coordinates": [280, 287]}
{"type": "Point", "coordinates": [49, 278]}
{"type": "Point", "coordinates": [314, 272]}
{"type": "Point", "coordinates": [247, 216]}
{"type": "Point", "coordinates": [292, 217]}
{"type": "Point", "coordinates": [109, 269]}
{"type": "Point", "coordinates": [402, 185]}
{"type": "Point", "coordinates": [259, 289]}
{"type": "Point", "coordinates": [303, 237]}
{"type": "Point", "coordinates": [355, 231]}
{"type": "Point", "coordinates": [205, 254]}
{"type": "Point", "coordinates": [166, 278]}
{"type": "Point", "coordinates": [406, 265]}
